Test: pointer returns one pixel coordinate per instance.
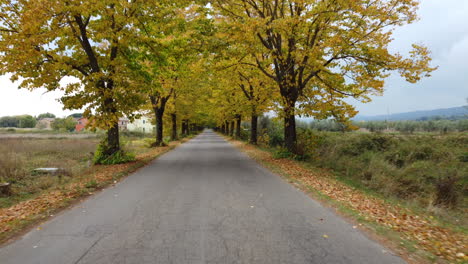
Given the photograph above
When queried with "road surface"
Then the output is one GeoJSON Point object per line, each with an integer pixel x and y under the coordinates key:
{"type": "Point", "coordinates": [204, 202]}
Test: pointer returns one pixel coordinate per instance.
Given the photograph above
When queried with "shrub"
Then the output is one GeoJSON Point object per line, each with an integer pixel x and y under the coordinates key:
{"type": "Point", "coordinates": [446, 192]}
{"type": "Point", "coordinates": [367, 142]}
{"type": "Point", "coordinates": [282, 154]}
{"type": "Point", "coordinates": [27, 121]}
{"type": "Point", "coordinates": [421, 153]}
{"type": "Point", "coordinates": [276, 139]}
{"type": "Point", "coordinates": [118, 157]}
{"type": "Point", "coordinates": [64, 124]}
{"type": "Point", "coordinates": [463, 157]}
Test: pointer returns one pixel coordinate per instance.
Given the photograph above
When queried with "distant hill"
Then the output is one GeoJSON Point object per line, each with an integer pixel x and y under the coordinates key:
{"type": "Point", "coordinates": [445, 113]}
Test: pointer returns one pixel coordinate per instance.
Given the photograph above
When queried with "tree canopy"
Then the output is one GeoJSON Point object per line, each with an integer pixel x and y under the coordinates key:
{"type": "Point", "coordinates": [215, 63]}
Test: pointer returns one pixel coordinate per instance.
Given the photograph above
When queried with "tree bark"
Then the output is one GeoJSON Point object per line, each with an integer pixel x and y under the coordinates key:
{"type": "Point", "coordinates": [290, 138]}
{"type": "Point", "coordinates": [238, 126]}
{"type": "Point", "coordinates": [186, 126]}
{"type": "Point", "coordinates": [174, 126]}
{"type": "Point", "coordinates": [159, 126]}
{"type": "Point", "coordinates": [113, 141]}
{"type": "Point", "coordinates": [183, 127]}
{"type": "Point", "coordinates": [159, 105]}
{"type": "Point", "coordinates": [231, 131]}
{"type": "Point", "coordinates": [253, 129]}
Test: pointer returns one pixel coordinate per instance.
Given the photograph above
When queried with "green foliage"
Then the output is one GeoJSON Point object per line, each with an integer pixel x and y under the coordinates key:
{"type": "Point", "coordinates": [9, 121]}
{"type": "Point", "coordinates": [76, 115]}
{"type": "Point", "coordinates": [118, 157]}
{"type": "Point", "coordinates": [367, 142]}
{"type": "Point", "coordinates": [91, 184]}
{"type": "Point", "coordinates": [45, 115]}
{"type": "Point", "coordinates": [64, 124]}
{"type": "Point", "coordinates": [271, 131]}
{"type": "Point", "coordinates": [282, 154]}
{"type": "Point", "coordinates": [23, 121]}
{"type": "Point", "coordinates": [27, 121]}
{"type": "Point", "coordinates": [463, 157]}
{"type": "Point", "coordinates": [406, 167]}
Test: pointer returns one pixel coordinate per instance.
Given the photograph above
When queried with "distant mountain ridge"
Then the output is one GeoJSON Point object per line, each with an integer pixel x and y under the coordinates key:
{"type": "Point", "coordinates": [418, 115]}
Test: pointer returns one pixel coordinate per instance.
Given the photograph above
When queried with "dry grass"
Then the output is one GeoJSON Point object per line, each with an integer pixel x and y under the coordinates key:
{"type": "Point", "coordinates": [20, 156]}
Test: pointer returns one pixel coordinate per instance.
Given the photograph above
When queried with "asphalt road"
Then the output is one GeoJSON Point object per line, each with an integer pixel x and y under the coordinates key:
{"type": "Point", "coordinates": [204, 202]}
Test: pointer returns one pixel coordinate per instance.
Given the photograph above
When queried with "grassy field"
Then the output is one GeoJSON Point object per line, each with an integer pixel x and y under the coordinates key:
{"type": "Point", "coordinates": [428, 170]}
{"type": "Point", "coordinates": [20, 156]}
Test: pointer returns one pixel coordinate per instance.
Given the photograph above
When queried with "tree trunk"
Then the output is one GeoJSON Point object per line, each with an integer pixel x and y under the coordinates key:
{"type": "Point", "coordinates": [231, 131]}
{"type": "Point", "coordinates": [113, 141]}
{"type": "Point", "coordinates": [238, 126]}
{"type": "Point", "coordinates": [159, 112]}
{"type": "Point", "coordinates": [174, 126]}
{"type": "Point", "coordinates": [253, 129]}
{"type": "Point", "coordinates": [183, 127]}
{"type": "Point", "coordinates": [290, 138]}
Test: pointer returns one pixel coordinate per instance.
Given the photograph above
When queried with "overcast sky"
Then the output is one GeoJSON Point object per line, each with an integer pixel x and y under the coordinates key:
{"type": "Point", "coordinates": [443, 27]}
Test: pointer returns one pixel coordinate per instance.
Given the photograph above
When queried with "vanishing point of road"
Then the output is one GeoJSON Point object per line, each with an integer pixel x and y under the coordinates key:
{"type": "Point", "coordinates": [203, 202]}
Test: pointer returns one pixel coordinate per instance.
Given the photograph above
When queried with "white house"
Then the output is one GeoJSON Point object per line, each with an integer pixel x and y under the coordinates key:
{"type": "Point", "coordinates": [143, 124]}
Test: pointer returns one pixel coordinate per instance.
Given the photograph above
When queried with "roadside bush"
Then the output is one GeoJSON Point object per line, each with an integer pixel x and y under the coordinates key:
{"type": "Point", "coordinates": [446, 192]}
{"type": "Point", "coordinates": [357, 145]}
{"type": "Point", "coordinates": [408, 167]}
{"type": "Point", "coordinates": [245, 134]}
{"type": "Point", "coordinates": [463, 157]}
{"type": "Point", "coordinates": [282, 154]}
{"type": "Point", "coordinates": [117, 158]}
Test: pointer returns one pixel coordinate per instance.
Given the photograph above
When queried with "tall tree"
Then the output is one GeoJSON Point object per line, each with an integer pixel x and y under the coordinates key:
{"type": "Point", "coordinates": [43, 41]}
{"type": "Point", "coordinates": [320, 52]}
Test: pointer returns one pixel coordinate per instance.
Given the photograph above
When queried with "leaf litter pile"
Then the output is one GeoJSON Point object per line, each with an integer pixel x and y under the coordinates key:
{"type": "Point", "coordinates": [424, 231]}
{"type": "Point", "coordinates": [22, 214]}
